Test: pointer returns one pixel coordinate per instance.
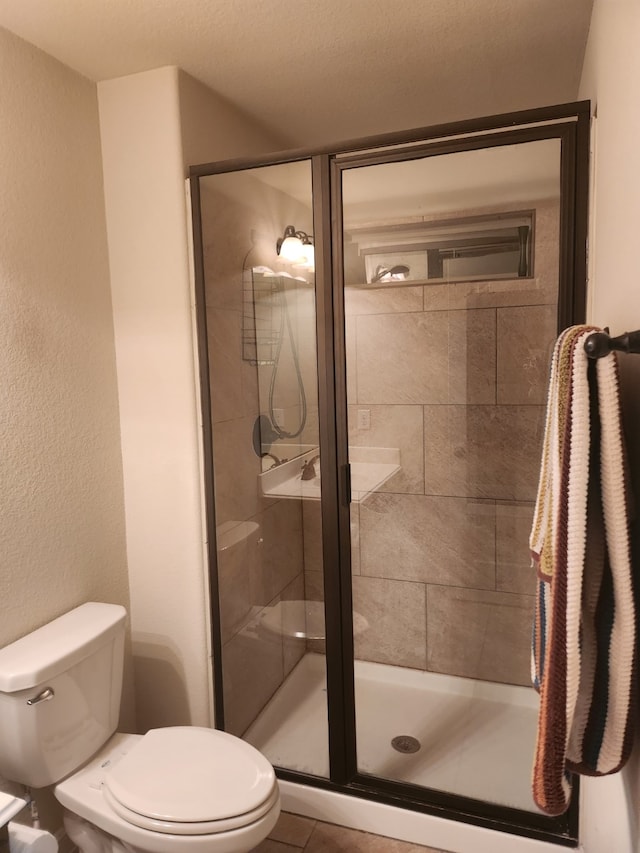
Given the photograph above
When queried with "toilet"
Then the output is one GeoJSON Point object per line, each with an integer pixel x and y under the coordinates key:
{"type": "Point", "coordinates": [181, 789]}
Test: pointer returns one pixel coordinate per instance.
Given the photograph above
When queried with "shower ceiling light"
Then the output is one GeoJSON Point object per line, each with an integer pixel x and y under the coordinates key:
{"type": "Point", "coordinates": [296, 247]}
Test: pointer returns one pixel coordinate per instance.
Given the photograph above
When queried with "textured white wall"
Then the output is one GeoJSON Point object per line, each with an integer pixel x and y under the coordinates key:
{"type": "Point", "coordinates": [146, 226]}
{"type": "Point", "coordinates": [213, 129]}
{"type": "Point", "coordinates": [611, 79]}
{"type": "Point", "coordinates": [61, 518]}
{"type": "Point", "coordinates": [149, 123]}
{"type": "Point", "coordinates": [62, 538]}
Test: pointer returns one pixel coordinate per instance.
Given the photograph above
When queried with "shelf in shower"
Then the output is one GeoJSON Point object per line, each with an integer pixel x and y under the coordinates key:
{"type": "Point", "coordinates": [371, 467]}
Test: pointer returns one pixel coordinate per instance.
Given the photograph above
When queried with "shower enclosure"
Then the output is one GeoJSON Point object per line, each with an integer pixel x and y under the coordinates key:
{"type": "Point", "coordinates": [375, 326]}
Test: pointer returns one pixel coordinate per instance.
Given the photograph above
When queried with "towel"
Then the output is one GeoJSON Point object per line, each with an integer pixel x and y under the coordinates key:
{"type": "Point", "coordinates": [583, 648]}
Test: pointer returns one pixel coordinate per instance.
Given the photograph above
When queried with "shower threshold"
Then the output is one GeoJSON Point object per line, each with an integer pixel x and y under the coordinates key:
{"type": "Point", "coordinates": [475, 738]}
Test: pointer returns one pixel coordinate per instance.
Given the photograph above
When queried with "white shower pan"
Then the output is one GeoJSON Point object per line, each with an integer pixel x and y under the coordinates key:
{"type": "Point", "coordinates": [476, 738]}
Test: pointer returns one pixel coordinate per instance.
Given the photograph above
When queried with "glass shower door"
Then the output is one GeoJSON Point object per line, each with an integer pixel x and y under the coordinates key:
{"type": "Point", "coordinates": [258, 273]}
{"type": "Point", "coordinates": [371, 609]}
{"type": "Point", "coordinates": [451, 269]}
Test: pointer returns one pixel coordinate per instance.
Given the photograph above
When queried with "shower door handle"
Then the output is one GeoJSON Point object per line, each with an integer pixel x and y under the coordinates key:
{"type": "Point", "coordinates": [346, 479]}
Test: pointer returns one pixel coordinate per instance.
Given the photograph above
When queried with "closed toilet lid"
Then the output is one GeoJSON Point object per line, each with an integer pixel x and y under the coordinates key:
{"type": "Point", "coordinates": [191, 775]}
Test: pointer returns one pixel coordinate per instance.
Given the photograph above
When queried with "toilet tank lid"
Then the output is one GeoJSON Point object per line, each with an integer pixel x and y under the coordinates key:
{"type": "Point", "coordinates": [58, 645]}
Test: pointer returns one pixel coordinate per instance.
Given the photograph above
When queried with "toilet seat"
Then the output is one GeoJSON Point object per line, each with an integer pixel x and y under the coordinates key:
{"type": "Point", "coordinates": [191, 781]}
{"type": "Point", "coordinates": [191, 828]}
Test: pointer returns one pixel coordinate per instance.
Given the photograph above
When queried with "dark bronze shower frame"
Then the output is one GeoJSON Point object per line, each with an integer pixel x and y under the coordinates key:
{"type": "Point", "coordinates": [570, 124]}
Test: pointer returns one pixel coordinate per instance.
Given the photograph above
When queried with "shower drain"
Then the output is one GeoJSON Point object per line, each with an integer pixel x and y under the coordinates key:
{"type": "Point", "coordinates": [405, 743]}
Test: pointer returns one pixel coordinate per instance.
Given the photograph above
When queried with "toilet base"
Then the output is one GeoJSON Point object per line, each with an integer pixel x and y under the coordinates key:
{"type": "Point", "coordinates": [89, 838]}
{"type": "Point", "coordinates": [96, 828]}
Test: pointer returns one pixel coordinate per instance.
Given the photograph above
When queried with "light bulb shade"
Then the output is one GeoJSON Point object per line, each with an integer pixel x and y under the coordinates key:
{"type": "Point", "coordinates": [307, 257]}
{"type": "Point", "coordinates": [296, 247]}
{"type": "Point", "coordinates": [291, 249]}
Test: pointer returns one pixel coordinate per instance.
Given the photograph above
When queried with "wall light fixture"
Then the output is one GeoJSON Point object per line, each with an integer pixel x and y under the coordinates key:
{"type": "Point", "coordinates": [296, 247]}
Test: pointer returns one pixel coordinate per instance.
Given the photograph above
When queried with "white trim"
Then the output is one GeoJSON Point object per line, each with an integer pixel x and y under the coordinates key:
{"type": "Point", "coordinates": [591, 240]}
{"type": "Point", "coordinates": [404, 825]}
{"type": "Point", "coordinates": [206, 592]}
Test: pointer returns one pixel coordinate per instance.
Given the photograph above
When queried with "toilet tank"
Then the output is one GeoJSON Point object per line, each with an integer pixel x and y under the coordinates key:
{"type": "Point", "coordinates": [60, 690]}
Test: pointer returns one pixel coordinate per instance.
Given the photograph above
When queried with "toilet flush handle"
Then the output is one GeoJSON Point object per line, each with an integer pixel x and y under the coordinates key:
{"type": "Point", "coordinates": [43, 696]}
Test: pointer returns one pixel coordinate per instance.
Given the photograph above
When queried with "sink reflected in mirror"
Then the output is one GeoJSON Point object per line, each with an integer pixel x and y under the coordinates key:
{"type": "Point", "coordinates": [371, 467]}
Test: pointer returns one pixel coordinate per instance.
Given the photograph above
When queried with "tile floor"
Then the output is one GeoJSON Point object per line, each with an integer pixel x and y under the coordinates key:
{"type": "Point", "coordinates": [296, 834]}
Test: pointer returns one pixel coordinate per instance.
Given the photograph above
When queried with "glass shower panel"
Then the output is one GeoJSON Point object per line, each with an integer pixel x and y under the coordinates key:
{"type": "Point", "coordinates": [257, 229]}
{"type": "Point", "coordinates": [451, 268]}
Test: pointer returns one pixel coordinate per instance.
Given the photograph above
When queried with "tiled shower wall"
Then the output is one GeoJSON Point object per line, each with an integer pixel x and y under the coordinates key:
{"type": "Point", "coordinates": [455, 375]}
{"type": "Point", "coordinates": [241, 221]}
{"type": "Point", "coordinates": [452, 374]}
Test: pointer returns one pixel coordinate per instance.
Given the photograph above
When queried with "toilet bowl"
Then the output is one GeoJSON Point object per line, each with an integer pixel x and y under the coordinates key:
{"type": "Point", "coordinates": [181, 789]}
{"type": "Point", "coordinates": [174, 789]}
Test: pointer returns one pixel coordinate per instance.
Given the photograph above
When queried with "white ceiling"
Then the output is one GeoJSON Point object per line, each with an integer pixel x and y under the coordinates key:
{"type": "Point", "coordinates": [320, 71]}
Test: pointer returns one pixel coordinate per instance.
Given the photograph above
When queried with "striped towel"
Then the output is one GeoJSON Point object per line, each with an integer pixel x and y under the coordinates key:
{"type": "Point", "coordinates": [584, 631]}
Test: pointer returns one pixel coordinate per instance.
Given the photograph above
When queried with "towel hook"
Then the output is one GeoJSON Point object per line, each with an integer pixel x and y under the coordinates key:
{"type": "Point", "coordinates": [599, 344]}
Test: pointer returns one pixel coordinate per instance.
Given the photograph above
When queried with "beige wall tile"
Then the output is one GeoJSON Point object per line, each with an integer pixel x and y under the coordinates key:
{"type": "Point", "coordinates": [402, 358]}
{"type": "Point", "coordinates": [493, 294]}
{"type": "Point", "coordinates": [285, 388]}
{"type": "Point", "coordinates": [383, 300]}
{"type": "Point", "coordinates": [472, 356]}
{"type": "Point", "coordinates": [281, 551]}
{"type": "Point", "coordinates": [312, 530]}
{"type": "Point", "coordinates": [294, 420]}
{"type": "Point", "coordinates": [547, 245]}
{"type": "Point", "coordinates": [479, 634]}
{"type": "Point", "coordinates": [298, 341]}
{"type": "Point", "coordinates": [253, 671]}
{"type": "Point", "coordinates": [236, 469]}
{"type": "Point", "coordinates": [354, 517]}
{"type": "Point", "coordinates": [311, 431]}
{"type": "Point", "coordinates": [223, 265]}
{"type": "Point", "coordinates": [526, 336]}
{"type": "Point", "coordinates": [513, 558]}
{"type": "Point", "coordinates": [389, 607]}
{"type": "Point", "coordinates": [350, 329]}
{"type": "Point", "coordinates": [314, 586]}
{"type": "Point", "coordinates": [314, 591]}
{"type": "Point", "coordinates": [483, 451]}
{"type": "Point", "coordinates": [312, 535]}
{"type": "Point", "coordinates": [429, 539]}
{"type": "Point", "coordinates": [293, 648]}
{"type": "Point", "coordinates": [442, 476]}
{"type": "Point", "coordinates": [234, 585]}
{"type": "Point", "coordinates": [436, 297]}
{"type": "Point", "coordinates": [225, 364]}
{"type": "Point", "coordinates": [394, 426]}
{"type": "Point", "coordinates": [306, 343]}
{"type": "Point", "coordinates": [250, 394]}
